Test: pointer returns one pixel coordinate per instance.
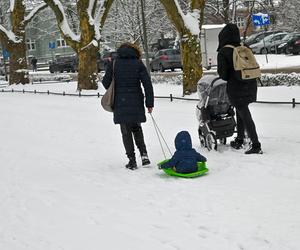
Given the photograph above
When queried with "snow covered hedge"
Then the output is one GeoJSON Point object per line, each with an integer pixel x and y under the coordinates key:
{"type": "Point", "coordinates": [280, 79]}
{"type": "Point", "coordinates": [267, 79]}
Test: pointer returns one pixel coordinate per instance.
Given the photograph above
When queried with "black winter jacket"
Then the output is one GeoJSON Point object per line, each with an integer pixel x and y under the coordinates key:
{"type": "Point", "coordinates": [129, 72]}
{"type": "Point", "coordinates": [240, 93]}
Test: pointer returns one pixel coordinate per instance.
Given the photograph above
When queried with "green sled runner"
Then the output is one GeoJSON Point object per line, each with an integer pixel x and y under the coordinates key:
{"type": "Point", "coordinates": [202, 169]}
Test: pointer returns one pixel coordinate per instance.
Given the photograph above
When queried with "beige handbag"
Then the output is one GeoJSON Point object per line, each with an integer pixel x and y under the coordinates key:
{"type": "Point", "coordinates": [107, 101]}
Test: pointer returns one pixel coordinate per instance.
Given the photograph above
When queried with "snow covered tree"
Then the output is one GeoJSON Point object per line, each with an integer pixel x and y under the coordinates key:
{"type": "Point", "coordinates": [91, 17]}
{"type": "Point", "coordinates": [14, 38]}
{"type": "Point", "coordinates": [188, 26]}
{"type": "Point", "coordinates": [124, 22]}
{"type": "Point", "coordinates": [289, 15]}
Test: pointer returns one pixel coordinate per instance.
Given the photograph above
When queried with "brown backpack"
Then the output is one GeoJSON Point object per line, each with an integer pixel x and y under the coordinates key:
{"type": "Point", "coordinates": [244, 63]}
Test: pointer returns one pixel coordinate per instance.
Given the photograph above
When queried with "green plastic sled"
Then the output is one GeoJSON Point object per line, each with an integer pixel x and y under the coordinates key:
{"type": "Point", "coordinates": [202, 169]}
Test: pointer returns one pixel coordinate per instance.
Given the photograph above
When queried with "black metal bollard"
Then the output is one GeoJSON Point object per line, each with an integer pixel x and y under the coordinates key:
{"type": "Point", "coordinates": [79, 94]}
{"type": "Point", "coordinates": [171, 97]}
{"type": "Point", "coordinates": [64, 93]}
{"type": "Point", "coordinates": [294, 102]}
{"type": "Point", "coordinates": [23, 91]}
{"type": "Point", "coordinates": [35, 91]}
{"type": "Point", "coordinates": [98, 94]}
{"type": "Point", "coordinates": [48, 92]}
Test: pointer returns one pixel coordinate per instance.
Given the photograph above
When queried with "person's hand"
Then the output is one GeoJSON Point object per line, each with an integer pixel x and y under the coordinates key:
{"type": "Point", "coordinates": [150, 110]}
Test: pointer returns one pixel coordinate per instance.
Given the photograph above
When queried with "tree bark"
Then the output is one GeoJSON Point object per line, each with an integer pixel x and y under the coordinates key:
{"type": "Point", "coordinates": [17, 47]}
{"type": "Point", "coordinates": [87, 45]}
{"type": "Point", "coordinates": [191, 61]}
{"type": "Point", "coordinates": [190, 43]}
{"type": "Point", "coordinates": [87, 69]}
{"type": "Point", "coordinates": [18, 64]}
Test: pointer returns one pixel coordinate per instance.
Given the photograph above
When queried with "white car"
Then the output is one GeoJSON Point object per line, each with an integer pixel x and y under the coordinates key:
{"type": "Point", "coordinates": [264, 46]}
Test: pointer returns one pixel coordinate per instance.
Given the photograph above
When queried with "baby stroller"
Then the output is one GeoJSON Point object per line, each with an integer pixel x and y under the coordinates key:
{"type": "Point", "coordinates": [214, 112]}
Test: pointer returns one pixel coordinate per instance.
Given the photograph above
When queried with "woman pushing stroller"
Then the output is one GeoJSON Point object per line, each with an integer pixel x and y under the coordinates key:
{"type": "Point", "coordinates": [241, 93]}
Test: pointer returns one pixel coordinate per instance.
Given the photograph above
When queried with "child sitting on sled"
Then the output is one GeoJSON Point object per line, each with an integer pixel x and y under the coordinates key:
{"type": "Point", "coordinates": [185, 157]}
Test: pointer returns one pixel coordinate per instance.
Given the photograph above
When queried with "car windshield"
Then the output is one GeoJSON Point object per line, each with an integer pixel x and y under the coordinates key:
{"type": "Point", "coordinates": [269, 38]}
{"type": "Point", "coordinates": [172, 52]}
{"type": "Point", "coordinates": [251, 37]}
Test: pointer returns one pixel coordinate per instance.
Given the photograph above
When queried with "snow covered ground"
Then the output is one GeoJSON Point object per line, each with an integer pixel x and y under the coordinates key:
{"type": "Point", "coordinates": [278, 61]}
{"type": "Point", "coordinates": [63, 185]}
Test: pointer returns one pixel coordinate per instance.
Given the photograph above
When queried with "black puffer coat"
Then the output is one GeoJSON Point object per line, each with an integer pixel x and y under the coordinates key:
{"type": "Point", "coordinates": [129, 72]}
{"type": "Point", "coordinates": [239, 92]}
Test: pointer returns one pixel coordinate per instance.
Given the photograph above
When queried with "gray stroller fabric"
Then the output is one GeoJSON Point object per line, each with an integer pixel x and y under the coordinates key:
{"type": "Point", "coordinates": [214, 98]}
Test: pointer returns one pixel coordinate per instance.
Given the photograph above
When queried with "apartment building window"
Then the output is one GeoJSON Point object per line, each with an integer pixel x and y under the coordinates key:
{"type": "Point", "coordinates": [240, 22]}
{"type": "Point", "coordinates": [60, 42]}
{"type": "Point", "coordinates": [30, 44]}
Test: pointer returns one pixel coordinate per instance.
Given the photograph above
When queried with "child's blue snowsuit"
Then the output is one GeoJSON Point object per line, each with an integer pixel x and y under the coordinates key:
{"type": "Point", "coordinates": [185, 157]}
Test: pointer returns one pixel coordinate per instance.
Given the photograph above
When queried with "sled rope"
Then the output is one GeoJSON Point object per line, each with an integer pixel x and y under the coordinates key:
{"type": "Point", "coordinates": [159, 134]}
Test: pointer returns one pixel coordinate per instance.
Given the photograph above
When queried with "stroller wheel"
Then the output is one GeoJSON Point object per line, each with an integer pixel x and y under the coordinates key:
{"type": "Point", "coordinates": [223, 141]}
{"type": "Point", "coordinates": [202, 141]}
{"type": "Point", "coordinates": [211, 142]}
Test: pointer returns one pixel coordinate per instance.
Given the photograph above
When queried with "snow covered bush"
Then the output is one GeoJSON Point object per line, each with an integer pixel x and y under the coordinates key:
{"type": "Point", "coordinates": [267, 79]}
{"type": "Point", "coordinates": [280, 79]}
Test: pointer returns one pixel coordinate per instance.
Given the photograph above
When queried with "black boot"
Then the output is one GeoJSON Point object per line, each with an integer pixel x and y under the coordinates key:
{"type": "Point", "coordinates": [145, 159]}
{"type": "Point", "coordinates": [131, 164]}
{"type": "Point", "coordinates": [237, 143]}
{"type": "Point", "coordinates": [254, 149]}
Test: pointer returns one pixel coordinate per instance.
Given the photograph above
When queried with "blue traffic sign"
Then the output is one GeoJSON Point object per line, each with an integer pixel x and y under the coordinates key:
{"type": "Point", "coordinates": [5, 54]}
{"type": "Point", "coordinates": [260, 19]}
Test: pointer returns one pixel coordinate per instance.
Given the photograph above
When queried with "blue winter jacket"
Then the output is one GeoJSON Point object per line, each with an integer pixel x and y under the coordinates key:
{"type": "Point", "coordinates": [185, 157]}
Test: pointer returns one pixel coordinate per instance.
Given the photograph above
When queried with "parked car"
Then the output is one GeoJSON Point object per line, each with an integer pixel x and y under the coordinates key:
{"type": "Point", "coordinates": [166, 59]}
{"type": "Point", "coordinates": [257, 37]}
{"type": "Point", "coordinates": [293, 45]}
{"type": "Point", "coordinates": [264, 46]}
{"type": "Point", "coordinates": [64, 63]}
{"type": "Point", "coordinates": [102, 61]}
{"type": "Point", "coordinates": [282, 46]}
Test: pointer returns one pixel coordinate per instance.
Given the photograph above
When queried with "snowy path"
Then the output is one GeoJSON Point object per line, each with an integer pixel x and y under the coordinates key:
{"type": "Point", "coordinates": [63, 185]}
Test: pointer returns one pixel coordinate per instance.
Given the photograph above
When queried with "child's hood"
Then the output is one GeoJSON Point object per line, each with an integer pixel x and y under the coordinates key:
{"type": "Point", "coordinates": [183, 141]}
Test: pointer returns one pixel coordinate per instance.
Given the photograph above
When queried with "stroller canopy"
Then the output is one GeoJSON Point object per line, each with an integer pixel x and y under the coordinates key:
{"type": "Point", "coordinates": [213, 88]}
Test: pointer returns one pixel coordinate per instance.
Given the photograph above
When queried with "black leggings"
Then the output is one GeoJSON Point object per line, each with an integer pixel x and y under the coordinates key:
{"type": "Point", "coordinates": [130, 131]}
{"type": "Point", "coordinates": [245, 122]}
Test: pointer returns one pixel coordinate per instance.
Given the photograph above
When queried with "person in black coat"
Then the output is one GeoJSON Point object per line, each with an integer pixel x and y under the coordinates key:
{"type": "Point", "coordinates": [240, 92]}
{"type": "Point", "coordinates": [34, 64]}
{"type": "Point", "coordinates": [129, 110]}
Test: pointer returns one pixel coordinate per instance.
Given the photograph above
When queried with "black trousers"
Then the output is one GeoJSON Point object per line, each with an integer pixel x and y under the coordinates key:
{"type": "Point", "coordinates": [129, 132]}
{"type": "Point", "coordinates": [246, 123]}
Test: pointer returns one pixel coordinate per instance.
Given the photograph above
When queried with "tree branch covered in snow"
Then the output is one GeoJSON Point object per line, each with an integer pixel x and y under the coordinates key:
{"type": "Point", "coordinates": [63, 24]}
{"type": "Point", "coordinates": [8, 35]}
{"type": "Point", "coordinates": [33, 12]}
{"type": "Point", "coordinates": [124, 22]}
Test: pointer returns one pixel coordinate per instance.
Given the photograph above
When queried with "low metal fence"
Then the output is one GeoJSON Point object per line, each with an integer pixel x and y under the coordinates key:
{"type": "Point", "coordinates": [293, 102]}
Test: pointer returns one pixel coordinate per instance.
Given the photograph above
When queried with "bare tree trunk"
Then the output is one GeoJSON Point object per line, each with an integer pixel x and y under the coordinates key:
{"type": "Point", "coordinates": [14, 41]}
{"type": "Point", "coordinates": [191, 62]}
{"type": "Point", "coordinates": [226, 10]}
{"type": "Point", "coordinates": [87, 44]}
{"type": "Point", "coordinates": [87, 69]}
{"type": "Point", "coordinates": [18, 64]}
{"type": "Point", "coordinates": [190, 43]}
{"type": "Point", "coordinates": [17, 61]}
